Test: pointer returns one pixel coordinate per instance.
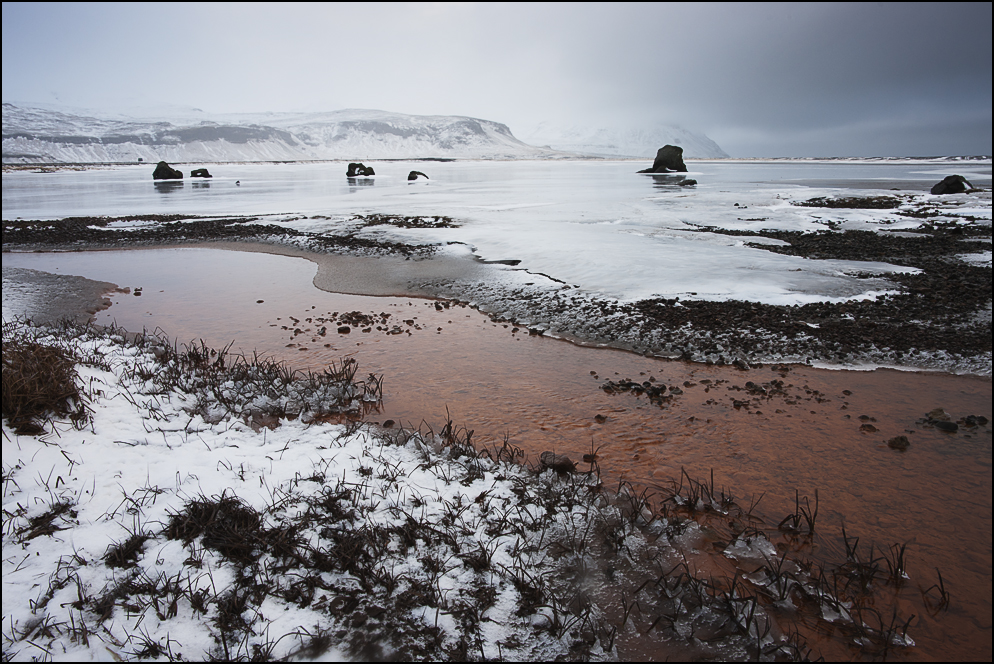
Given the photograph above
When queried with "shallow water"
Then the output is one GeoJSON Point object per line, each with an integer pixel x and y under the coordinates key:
{"type": "Point", "coordinates": [546, 394]}
{"type": "Point", "coordinates": [598, 225]}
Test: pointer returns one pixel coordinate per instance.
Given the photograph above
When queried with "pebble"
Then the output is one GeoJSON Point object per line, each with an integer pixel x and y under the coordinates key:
{"type": "Point", "coordinates": [899, 443]}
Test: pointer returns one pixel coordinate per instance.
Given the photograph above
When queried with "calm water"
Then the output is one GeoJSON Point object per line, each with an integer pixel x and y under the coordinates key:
{"type": "Point", "coordinates": [592, 187]}
{"type": "Point", "coordinates": [545, 394]}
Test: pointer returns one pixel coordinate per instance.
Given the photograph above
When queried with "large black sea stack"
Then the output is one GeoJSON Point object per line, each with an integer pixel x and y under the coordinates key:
{"type": "Point", "coordinates": [164, 172]}
{"type": "Point", "coordinates": [356, 169]}
{"type": "Point", "coordinates": [951, 184]}
{"type": "Point", "coordinates": [669, 159]}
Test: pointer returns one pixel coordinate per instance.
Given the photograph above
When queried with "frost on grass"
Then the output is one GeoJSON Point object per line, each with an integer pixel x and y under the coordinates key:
{"type": "Point", "coordinates": [171, 525]}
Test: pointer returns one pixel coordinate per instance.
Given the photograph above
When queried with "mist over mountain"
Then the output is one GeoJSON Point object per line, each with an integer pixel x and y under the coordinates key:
{"type": "Point", "coordinates": [621, 142]}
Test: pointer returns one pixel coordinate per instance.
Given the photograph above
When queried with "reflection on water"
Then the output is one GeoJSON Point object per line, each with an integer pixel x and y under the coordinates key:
{"type": "Point", "coordinates": [202, 185]}
{"type": "Point", "coordinates": [356, 183]}
{"type": "Point", "coordinates": [667, 180]}
{"type": "Point", "coordinates": [824, 430]}
{"type": "Point", "coordinates": [168, 186]}
{"type": "Point", "coordinates": [576, 188]}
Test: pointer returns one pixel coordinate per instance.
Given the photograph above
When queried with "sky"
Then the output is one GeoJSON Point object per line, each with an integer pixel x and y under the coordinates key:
{"type": "Point", "coordinates": [761, 80]}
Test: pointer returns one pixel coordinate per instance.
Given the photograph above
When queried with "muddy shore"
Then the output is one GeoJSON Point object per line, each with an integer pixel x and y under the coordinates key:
{"type": "Point", "coordinates": [937, 318]}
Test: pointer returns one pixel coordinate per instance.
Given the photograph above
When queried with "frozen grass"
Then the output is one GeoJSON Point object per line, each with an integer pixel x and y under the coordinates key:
{"type": "Point", "coordinates": [206, 507]}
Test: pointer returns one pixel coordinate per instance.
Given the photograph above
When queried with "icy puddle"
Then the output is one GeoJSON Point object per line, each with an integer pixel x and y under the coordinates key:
{"type": "Point", "coordinates": [764, 432]}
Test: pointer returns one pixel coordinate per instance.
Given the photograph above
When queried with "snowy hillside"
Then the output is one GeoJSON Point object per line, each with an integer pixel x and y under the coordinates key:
{"type": "Point", "coordinates": [34, 134]}
{"type": "Point", "coordinates": [622, 142]}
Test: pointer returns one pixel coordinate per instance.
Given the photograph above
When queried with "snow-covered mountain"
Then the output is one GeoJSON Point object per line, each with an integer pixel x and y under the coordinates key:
{"type": "Point", "coordinates": [36, 134]}
{"type": "Point", "coordinates": [622, 142]}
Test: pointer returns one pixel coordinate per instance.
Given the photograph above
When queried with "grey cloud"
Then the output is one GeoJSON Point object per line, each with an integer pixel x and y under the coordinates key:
{"type": "Point", "coordinates": [792, 79]}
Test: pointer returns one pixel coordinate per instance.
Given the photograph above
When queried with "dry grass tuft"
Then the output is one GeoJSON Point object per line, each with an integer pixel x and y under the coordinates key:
{"type": "Point", "coordinates": [39, 382]}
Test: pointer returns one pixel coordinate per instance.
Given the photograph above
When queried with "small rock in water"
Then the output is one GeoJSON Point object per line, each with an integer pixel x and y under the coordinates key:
{"type": "Point", "coordinates": [557, 462]}
{"type": "Point", "coordinates": [938, 414]}
{"type": "Point", "coordinates": [899, 443]}
{"type": "Point", "coordinates": [868, 428]}
{"type": "Point", "coordinates": [388, 424]}
{"type": "Point", "coordinates": [948, 427]}
{"type": "Point", "coordinates": [600, 419]}
{"type": "Point", "coordinates": [344, 329]}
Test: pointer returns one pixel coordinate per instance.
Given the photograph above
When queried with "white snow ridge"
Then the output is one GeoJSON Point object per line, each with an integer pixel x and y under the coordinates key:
{"type": "Point", "coordinates": [33, 135]}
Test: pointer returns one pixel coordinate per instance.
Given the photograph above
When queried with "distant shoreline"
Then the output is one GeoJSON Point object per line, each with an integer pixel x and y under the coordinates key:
{"type": "Point", "coordinates": [82, 165]}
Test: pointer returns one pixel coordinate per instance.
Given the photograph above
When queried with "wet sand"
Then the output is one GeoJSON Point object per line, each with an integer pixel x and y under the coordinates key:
{"type": "Point", "coordinates": [46, 298]}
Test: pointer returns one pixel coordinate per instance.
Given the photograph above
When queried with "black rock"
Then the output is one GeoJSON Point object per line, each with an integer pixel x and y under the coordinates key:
{"type": "Point", "coordinates": [899, 443]}
{"type": "Point", "coordinates": [357, 169]}
{"type": "Point", "coordinates": [413, 175]}
{"type": "Point", "coordinates": [669, 159]}
{"type": "Point", "coordinates": [951, 184]}
{"type": "Point", "coordinates": [687, 183]}
{"type": "Point", "coordinates": [557, 462]}
{"type": "Point", "coordinates": [164, 171]}
{"type": "Point", "coordinates": [200, 173]}
{"type": "Point", "coordinates": [949, 427]}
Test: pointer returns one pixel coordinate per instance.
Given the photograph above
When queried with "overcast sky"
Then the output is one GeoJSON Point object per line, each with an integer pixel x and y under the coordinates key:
{"type": "Point", "coordinates": [761, 80]}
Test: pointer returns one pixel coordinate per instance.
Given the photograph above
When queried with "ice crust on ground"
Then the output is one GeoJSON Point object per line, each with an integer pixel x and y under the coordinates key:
{"type": "Point", "coordinates": [594, 225]}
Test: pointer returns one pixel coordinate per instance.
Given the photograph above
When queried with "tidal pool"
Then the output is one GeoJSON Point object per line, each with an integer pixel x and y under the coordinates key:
{"type": "Point", "coordinates": [820, 430]}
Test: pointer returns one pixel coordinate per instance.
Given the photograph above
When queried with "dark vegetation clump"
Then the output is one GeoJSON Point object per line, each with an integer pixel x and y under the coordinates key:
{"type": "Point", "coordinates": [259, 388]}
{"type": "Point", "coordinates": [228, 525]}
{"type": "Point", "coordinates": [97, 233]}
{"type": "Point", "coordinates": [39, 383]}
{"type": "Point", "coordinates": [433, 221]}
{"type": "Point", "coordinates": [938, 308]}
{"type": "Point", "coordinates": [854, 202]}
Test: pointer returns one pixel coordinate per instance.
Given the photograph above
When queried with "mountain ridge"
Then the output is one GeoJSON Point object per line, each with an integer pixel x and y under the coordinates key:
{"type": "Point", "coordinates": [40, 134]}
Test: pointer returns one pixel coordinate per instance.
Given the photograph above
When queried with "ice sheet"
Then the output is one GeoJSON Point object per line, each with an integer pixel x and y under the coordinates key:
{"type": "Point", "coordinates": [594, 224]}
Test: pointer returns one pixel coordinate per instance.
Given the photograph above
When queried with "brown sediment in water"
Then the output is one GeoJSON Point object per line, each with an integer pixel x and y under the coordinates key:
{"type": "Point", "coordinates": [805, 434]}
{"type": "Point", "coordinates": [372, 275]}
